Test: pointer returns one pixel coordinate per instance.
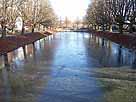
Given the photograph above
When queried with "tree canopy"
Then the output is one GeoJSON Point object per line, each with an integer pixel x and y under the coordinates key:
{"type": "Point", "coordinates": [108, 12]}
{"type": "Point", "coordinates": [33, 12]}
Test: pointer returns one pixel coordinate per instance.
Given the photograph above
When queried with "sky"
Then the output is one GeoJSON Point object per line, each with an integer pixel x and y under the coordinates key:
{"type": "Point", "coordinates": [72, 9]}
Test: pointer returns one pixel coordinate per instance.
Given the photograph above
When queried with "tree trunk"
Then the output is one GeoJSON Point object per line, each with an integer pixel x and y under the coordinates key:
{"type": "Point", "coordinates": [103, 29]}
{"type": "Point", "coordinates": [121, 28]}
{"type": "Point", "coordinates": [3, 31]}
{"type": "Point", "coordinates": [109, 27]}
{"type": "Point", "coordinates": [131, 28]}
{"type": "Point", "coordinates": [23, 29]}
{"type": "Point", "coordinates": [39, 27]}
{"type": "Point", "coordinates": [12, 29]}
{"type": "Point", "coordinates": [33, 28]}
{"type": "Point", "coordinates": [98, 27]}
{"type": "Point", "coordinates": [6, 60]}
{"type": "Point", "coordinates": [95, 27]}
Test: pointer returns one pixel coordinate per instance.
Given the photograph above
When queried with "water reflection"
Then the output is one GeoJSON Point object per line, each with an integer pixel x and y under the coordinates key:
{"type": "Point", "coordinates": [16, 58]}
{"type": "Point", "coordinates": [2, 62]}
{"type": "Point", "coordinates": [108, 53]}
{"type": "Point", "coordinates": [60, 66]}
{"type": "Point", "coordinates": [71, 44]}
{"type": "Point", "coordinates": [21, 86]}
{"type": "Point", "coordinates": [25, 79]}
{"type": "Point", "coordinates": [6, 60]}
{"type": "Point", "coordinates": [30, 50]}
{"type": "Point", "coordinates": [134, 62]}
{"type": "Point", "coordinates": [119, 58]}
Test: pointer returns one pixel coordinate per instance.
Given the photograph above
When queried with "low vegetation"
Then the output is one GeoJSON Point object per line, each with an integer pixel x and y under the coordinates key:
{"type": "Point", "coordinates": [119, 84]}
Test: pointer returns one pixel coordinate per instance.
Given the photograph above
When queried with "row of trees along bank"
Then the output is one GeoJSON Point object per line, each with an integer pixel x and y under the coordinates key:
{"type": "Point", "coordinates": [105, 13]}
{"type": "Point", "coordinates": [32, 13]}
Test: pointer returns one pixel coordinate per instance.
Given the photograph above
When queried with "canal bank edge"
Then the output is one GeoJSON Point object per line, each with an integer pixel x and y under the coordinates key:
{"type": "Point", "coordinates": [127, 41]}
{"type": "Point", "coordinates": [12, 43]}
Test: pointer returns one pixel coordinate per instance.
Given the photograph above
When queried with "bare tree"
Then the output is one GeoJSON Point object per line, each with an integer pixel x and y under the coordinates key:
{"type": "Point", "coordinates": [108, 12]}
{"type": "Point", "coordinates": [42, 14]}
{"type": "Point", "coordinates": [24, 10]}
{"type": "Point", "coordinates": [120, 9]}
{"type": "Point", "coordinates": [5, 18]}
{"type": "Point", "coordinates": [132, 16]}
{"type": "Point", "coordinates": [36, 11]}
{"type": "Point", "coordinates": [91, 15]}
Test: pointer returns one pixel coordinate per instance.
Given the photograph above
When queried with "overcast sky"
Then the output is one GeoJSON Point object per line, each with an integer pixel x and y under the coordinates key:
{"type": "Point", "coordinates": [72, 9]}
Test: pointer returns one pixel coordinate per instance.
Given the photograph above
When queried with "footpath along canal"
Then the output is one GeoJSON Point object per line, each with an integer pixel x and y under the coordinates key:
{"type": "Point", "coordinates": [59, 69]}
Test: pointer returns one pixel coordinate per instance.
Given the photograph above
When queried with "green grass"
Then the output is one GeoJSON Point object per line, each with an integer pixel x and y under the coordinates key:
{"type": "Point", "coordinates": [119, 85]}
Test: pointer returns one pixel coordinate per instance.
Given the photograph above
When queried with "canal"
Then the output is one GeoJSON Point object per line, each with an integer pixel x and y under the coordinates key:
{"type": "Point", "coordinates": [59, 69]}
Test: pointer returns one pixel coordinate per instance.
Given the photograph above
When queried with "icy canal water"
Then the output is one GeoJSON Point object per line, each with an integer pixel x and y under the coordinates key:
{"type": "Point", "coordinates": [58, 69]}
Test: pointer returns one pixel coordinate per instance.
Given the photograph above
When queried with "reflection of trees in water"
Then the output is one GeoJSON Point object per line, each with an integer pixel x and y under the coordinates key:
{"type": "Point", "coordinates": [134, 62]}
{"type": "Point", "coordinates": [124, 57]}
{"type": "Point", "coordinates": [119, 56]}
{"type": "Point", "coordinates": [103, 42]}
{"type": "Point", "coordinates": [13, 86]}
{"type": "Point", "coordinates": [6, 60]}
{"type": "Point", "coordinates": [98, 49]}
{"type": "Point", "coordinates": [34, 53]}
{"type": "Point", "coordinates": [105, 51]}
{"type": "Point", "coordinates": [98, 41]}
{"type": "Point", "coordinates": [28, 52]}
{"type": "Point", "coordinates": [24, 51]}
{"type": "Point", "coordinates": [13, 58]}
{"type": "Point", "coordinates": [108, 53]}
{"type": "Point", "coordinates": [22, 86]}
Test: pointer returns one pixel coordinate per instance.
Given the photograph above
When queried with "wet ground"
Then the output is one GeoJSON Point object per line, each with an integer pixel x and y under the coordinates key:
{"type": "Point", "coordinates": [59, 69]}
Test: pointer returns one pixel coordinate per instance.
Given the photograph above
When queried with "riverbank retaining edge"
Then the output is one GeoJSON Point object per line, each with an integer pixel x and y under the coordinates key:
{"type": "Point", "coordinates": [127, 41]}
{"type": "Point", "coordinates": [11, 43]}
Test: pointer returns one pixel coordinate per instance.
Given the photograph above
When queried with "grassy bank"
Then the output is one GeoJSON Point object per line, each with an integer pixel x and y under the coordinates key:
{"type": "Point", "coordinates": [119, 84]}
{"type": "Point", "coordinates": [11, 43]}
{"type": "Point", "coordinates": [127, 41]}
